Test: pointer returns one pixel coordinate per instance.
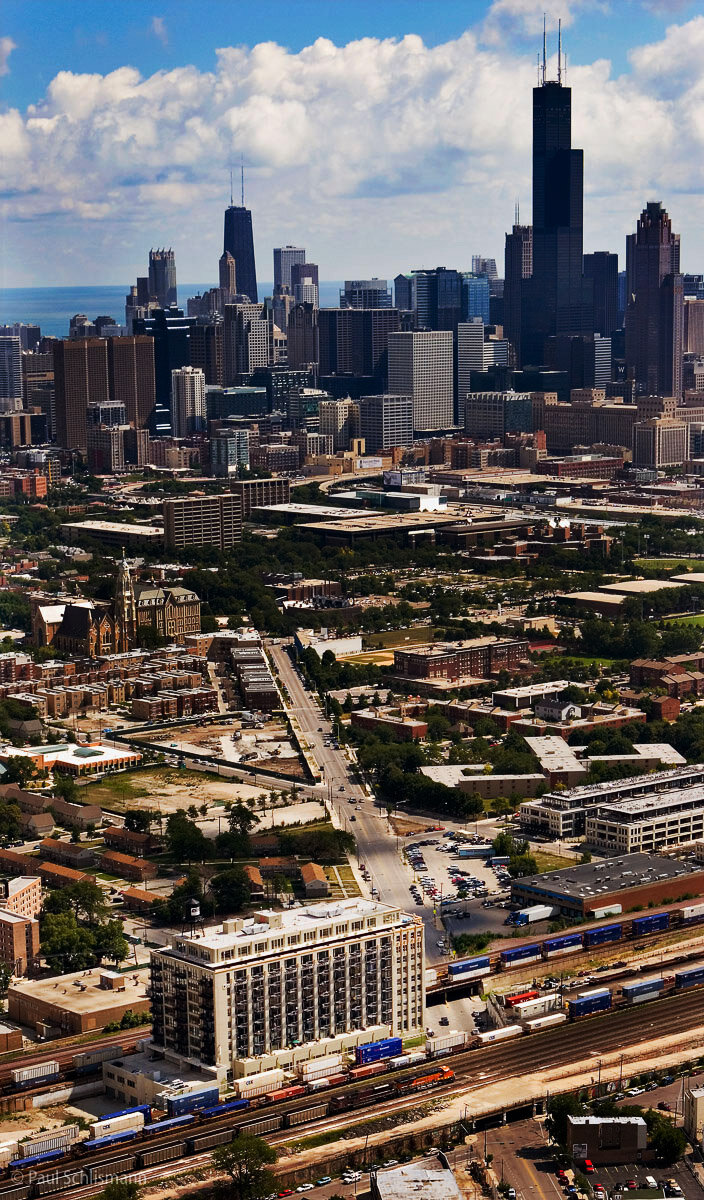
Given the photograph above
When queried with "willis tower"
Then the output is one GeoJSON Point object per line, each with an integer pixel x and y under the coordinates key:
{"type": "Point", "coordinates": [239, 242]}
{"type": "Point", "coordinates": [557, 298]}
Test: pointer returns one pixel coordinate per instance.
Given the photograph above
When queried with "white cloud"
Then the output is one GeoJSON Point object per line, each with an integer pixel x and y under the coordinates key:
{"type": "Point", "coordinates": [379, 155]}
{"type": "Point", "coordinates": [158, 28]}
{"type": "Point", "coordinates": [6, 47]}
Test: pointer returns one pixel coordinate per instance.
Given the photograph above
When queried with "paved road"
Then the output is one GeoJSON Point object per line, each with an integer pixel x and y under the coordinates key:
{"type": "Point", "coordinates": [523, 1159]}
{"type": "Point", "coordinates": [378, 848]}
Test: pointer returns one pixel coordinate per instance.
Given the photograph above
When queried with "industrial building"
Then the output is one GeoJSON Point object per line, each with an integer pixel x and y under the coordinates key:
{"type": "Point", "coordinates": [607, 1139]}
{"type": "Point", "coordinates": [632, 880]}
{"type": "Point", "coordinates": [280, 987]}
{"type": "Point", "coordinates": [77, 1003]}
{"type": "Point", "coordinates": [414, 1179]}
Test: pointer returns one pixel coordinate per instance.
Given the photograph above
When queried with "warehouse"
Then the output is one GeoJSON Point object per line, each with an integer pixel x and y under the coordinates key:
{"type": "Point", "coordinates": [78, 1002]}
{"type": "Point", "coordinates": [632, 880]}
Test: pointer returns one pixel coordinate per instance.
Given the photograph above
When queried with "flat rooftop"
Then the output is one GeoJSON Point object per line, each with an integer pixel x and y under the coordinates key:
{"type": "Point", "coordinates": [612, 598]}
{"type": "Point", "coordinates": [313, 511]}
{"type": "Point", "coordinates": [585, 881]}
{"type": "Point", "coordinates": [554, 754]}
{"type": "Point", "coordinates": [366, 521]}
{"type": "Point", "coordinates": [80, 992]}
{"type": "Point", "coordinates": [609, 792]}
{"type": "Point", "coordinates": [638, 587]}
{"type": "Point", "coordinates": [98, 527]}
{"type": "Point", "coordinates": [416, 1179]}
{"type": "Point", "coordinates": [645, 806]}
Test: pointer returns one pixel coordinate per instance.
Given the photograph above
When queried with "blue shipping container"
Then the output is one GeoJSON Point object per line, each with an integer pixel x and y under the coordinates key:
{"type": "Point", "coordinates": [520, 952]}
{"type": "Point", "coordinates": [375, 1051]}
{"type": "Point", "coordinates": [592, 1002]}
{"type": "Point", "coordinates": [172, 1123]}
{"type": "Point", "coordinates": [689, 978]}
{"type": "Point", "coordinates": [37, 1158]}
{"type": "Point", "coordinates": [651, 923]}
{"type": "Point", "coordinates": [110, 1139]}
{"type": "Point", "coordinates": [604, 933]}
{"type": "Point", "coordinates": [178, 1106]}
{"type": "Point", "coordinates": [643, 985]}
{"type": "Point", "coordinates": [560, 943]}
{"type": "Point", "coordinates": [469, 964]}
{"type": "Point", "coordinates": [229, 1106]}
{"type": "Point", "coordinates": [144, 1109]}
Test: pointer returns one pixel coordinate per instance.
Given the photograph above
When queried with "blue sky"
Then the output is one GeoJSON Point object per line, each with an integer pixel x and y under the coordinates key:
{"type": "Point", "coordinates": [377, 150]}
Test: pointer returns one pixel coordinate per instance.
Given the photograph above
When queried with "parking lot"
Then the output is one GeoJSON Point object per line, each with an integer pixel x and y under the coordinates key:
{"type": "Point", "coordinates": [462, 890]}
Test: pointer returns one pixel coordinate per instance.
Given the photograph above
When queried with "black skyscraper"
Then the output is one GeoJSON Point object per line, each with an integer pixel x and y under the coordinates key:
{"type": "Point", "coordinates": [558, 298]}
{"type": "Point", "coordinates": [602, 268]}
{"type": "Point", "coordinates": [239, 241]}
{"type": "Point", "coordinates": [172, 333]}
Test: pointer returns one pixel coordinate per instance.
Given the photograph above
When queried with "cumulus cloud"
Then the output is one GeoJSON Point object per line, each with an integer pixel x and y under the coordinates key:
{"type": "Point", "coordinates": [379, 155]}
{"type": "Point", "coordinates": [6, 47]}
{"type": "Point", "coordinates": [158, 28]}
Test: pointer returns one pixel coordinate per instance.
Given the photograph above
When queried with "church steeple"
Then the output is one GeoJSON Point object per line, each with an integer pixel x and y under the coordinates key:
{"type": "Point", "coordinates": [125, 608]}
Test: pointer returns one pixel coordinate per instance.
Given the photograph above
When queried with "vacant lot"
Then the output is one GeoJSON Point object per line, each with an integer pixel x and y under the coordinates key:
{"type": "Point", "coordinates": [413, 634]}
{"type": "Point", "coordinates": [166, 790]}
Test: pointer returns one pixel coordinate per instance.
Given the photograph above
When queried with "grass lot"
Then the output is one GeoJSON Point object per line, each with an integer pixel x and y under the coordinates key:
{"type": "Point", "coordinates": [551, 862]}
{"type": "Point", "coordinates": [667, 564]}
{"type": "Point", "coordinates": [587, 660]}
{"type": "Point", "coordinates": [697, 620]}
{"type": "Point", "coordinates": [116, 791]}
{"type": "Point", "coordinates": [414, 634]}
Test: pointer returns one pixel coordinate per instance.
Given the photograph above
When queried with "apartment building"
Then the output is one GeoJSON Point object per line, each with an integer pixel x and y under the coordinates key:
{"type": "Point", "coordinates": [19, 941]}
{"type": "Point", "coordinates": [281, 987]}
{"type": "Point", "coordinates": [21, 895]}
{"type": "Point", "coordinates": [253, 493]}
{"type": "Point", "coordinates": [203, 521]}
{"type": "Point", "coordinates": [477, 658]}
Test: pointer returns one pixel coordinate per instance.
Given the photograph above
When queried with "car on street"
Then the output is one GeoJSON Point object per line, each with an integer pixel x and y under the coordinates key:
{"type": "Point", "coordinates": [665, 1106]}
{"type": "Point", "coordinates": [305, 1187]}
{"type": "Point", "coordinates": [323, 1179]}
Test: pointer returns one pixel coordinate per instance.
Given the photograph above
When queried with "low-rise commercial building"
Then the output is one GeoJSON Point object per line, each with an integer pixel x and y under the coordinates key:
{"type": "Point", "coordinates": [607, 1139]}
{"type": "Point", "coordinates": [648, 823]}
{"type": "Point", "coordinates": [632, 880]}
{"type": "Point", "coordinates": [79, 1002]}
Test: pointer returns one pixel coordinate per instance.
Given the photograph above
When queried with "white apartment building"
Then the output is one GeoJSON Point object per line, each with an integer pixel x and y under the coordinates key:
{"type": "Point", "coordinates": [421, 365]}
{"type": "Point", "coordinates": [187, 401]}
{"type": "Point", "coordinates": [281, 987]}
{"type": "Point", "coordinates": [339, 419]}
{"type": "Point", "coordinates": [649, 823]}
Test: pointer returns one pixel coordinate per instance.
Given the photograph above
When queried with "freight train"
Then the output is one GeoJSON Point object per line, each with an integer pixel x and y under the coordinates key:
{"type": "Point", "coordinates": [603, 999]}
{"type": "Point", "coordinates": [570, 942]}
{"type": "Point", "coordinates": [41, 1073]}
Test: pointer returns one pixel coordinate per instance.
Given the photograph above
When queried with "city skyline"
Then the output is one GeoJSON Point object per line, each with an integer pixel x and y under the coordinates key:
{"type": "Point", "coordinates": [374, 141]}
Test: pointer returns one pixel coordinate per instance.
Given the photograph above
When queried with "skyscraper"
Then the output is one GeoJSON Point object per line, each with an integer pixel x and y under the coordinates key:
{"type": "Point", "coordinates": [162, 277]}
{"type": "Point", "coordinates": [470, 357]}
{"type": "Point", "coordinates": [187, 401]}
{"type": "Point", "coordinates": [81, 378]}
{"type": "Point", "coordinates": [284, 258]}
{"type": "Point", "coordinates": [421, 366]}
{"type": "Point", "coordinates": [557, 298]}
{"type": "Point", "coordinates": [131, 377]}
{"type": "Point", "coordinates": [354, 341]}
{"type": "Point", "coordinates": [654, 304]}
{"type": "Point", "coordinates": [475, 298]}
{"type": "Point", "coordinates": [227, 274]}
{"type": "Point", "coordinates": [365, 293]}
{"type": "Point", "coordinates": [303, 336]}
{"type": "Point", "coordinates": [10, 374]}
{"type": "Point", "coordinates": [484, 266]}
{"type": "Point", "coordinates": [518, 266]}
{"type": "Point", "coordinates": [385, 421]}
{"type": "Point", "coordinates": [602, 268]}
{"type": "Point", "coordinates": [239, 242]}
{"type": "Point", "coordinates": [304, 283]}
{"type": "Point", "coordinates": [246, 338]}
{"type": "Point", "coordinates": [171, 332]}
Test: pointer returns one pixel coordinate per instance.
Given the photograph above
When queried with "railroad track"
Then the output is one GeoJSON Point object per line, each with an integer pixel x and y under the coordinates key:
{"type": "Point", "coordinates": [474, 1069]}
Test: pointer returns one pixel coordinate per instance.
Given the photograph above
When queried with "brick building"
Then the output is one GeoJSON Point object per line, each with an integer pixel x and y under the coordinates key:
{"type": "Point", "coordinates": [478, 658]}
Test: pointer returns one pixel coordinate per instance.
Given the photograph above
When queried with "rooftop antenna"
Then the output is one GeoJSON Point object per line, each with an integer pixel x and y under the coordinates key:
{"type": "Point", "coordinates": [242, 169]}
{"type": "Point", "coordinates": [231, 200]}
{"type": "Point", "coordinates": [564, 69]}
{"type": "Point", "coordinates": [538, 56]}
{"type": "Point", "coordinates": [517, 213]}
{"type": "Point", "coordinates": [543, 48]}
{"type": "Point", "coordinates": [559, 50]}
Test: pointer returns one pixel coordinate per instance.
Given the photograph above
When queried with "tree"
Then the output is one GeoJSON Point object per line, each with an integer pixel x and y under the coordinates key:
{"type": "Point", "coordinates": [137, 820]}
{"type": "Point", "coordinates": [65, 944]}
{"type": "Point", "coordinates": [185, 840]}
{"type": "Point", "coordinates": [241, 819]}
{"type": "Point", "coordinates": [65, 787]}
{"type": "Point", "coordinates": [230, 889]}
{"type": "Point", "coordinates": [667, 1141]}
{"type": "Point", "coordinates": [246, 1160]}
{"type": "Point", "coordinates": [120, 1189]}
{"type": "Point", "coordinates": [110, 942]}
{"type": "Point", "coordinates": [559, 1109]}
{"type": "Point", "coordinates": [19, 769]}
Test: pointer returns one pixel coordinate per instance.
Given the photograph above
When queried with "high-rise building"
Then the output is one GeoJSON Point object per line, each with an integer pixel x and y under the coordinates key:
{"type": "Point", "coordinates": [29, 335]}
{"type": "Point", "coordinates": [171, 332]}
{"type": "Point", "coordinates": [366, 293]}
{"type": "Point", "coordinates": [340, 420]}
{"type": "Point", "coordinates": [475, 298]}
{"type": "Point", "coordinates": [187, 401]}
{"type": "Point", "coordinates": [556, 299]}
{"type": "Point", "coordinates": [403, 292]}
{"type": "Point", "coordinates": [354, 341]}
{"type": "Point", "coordinates": [206, 346]}
{"type": "Point", "coordinates": [470, 358]}
{"type": "Point", "coordinates": [518, 266]}
{"type": "Point", "coordinates": [490, 415]}
{"type": "Point", "coordinates": [38, 387]}
{"type": "Point", "coordinates": [10, 373]}
{"type": "Point", "coordinates": [602, 268]}
{"type": "Point", "coordinates": [162, 277]}
{"type": "Point", "coordinates": [655, 304]}
{"type": "Point", "coordinates": [484, 266]}
{"type": "Point", "coordinates": [239, 242]}
{"type": "Point", "coordinates": [81, 378]}
{"type": "Point", "coordinates": [131, 377]}
{"type": "Point", "coordinates": [303, 336]}
{"type": "Point", "coordinates": [660, 442]}
{"type": "Point", "coordinates": [229, 452]}
{"type": "Point", "coordinates": [693, 338]}
{"type": "Point", "coordinates": [385, 421]}
{"type": "Point", "coordinates": [246, 340]}
{"type": "Point", "coordinates": [254, 493]}
{"type": "Point", "coordinates": [284, 258]}
{"type": "Point", "coordinates": [304, 283]}
{"type": "Point", "coordinates": [289, 984]}
{"type": "Point", "coordinates": [203, 521]}
{"type": "Point", "coordinates": [227, 274]}
{"type": "Point", "coordinates": [421, 366]}
{"type": "Point", "coordinates": [106, 427]}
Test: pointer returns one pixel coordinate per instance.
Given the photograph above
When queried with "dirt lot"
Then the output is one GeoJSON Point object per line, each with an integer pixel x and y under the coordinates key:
{"type": "Point", "coordinates": [169, 789]}
{"type": "Point", "coordinates": [269, 746]}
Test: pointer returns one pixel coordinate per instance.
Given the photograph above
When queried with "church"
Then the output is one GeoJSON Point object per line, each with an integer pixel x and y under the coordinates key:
{"type": "Point", "coordinates": [94, 628]}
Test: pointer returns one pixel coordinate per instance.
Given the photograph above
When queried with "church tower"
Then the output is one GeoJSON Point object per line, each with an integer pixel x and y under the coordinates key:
{"type": "Point", "coordinates": [125, 609]}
